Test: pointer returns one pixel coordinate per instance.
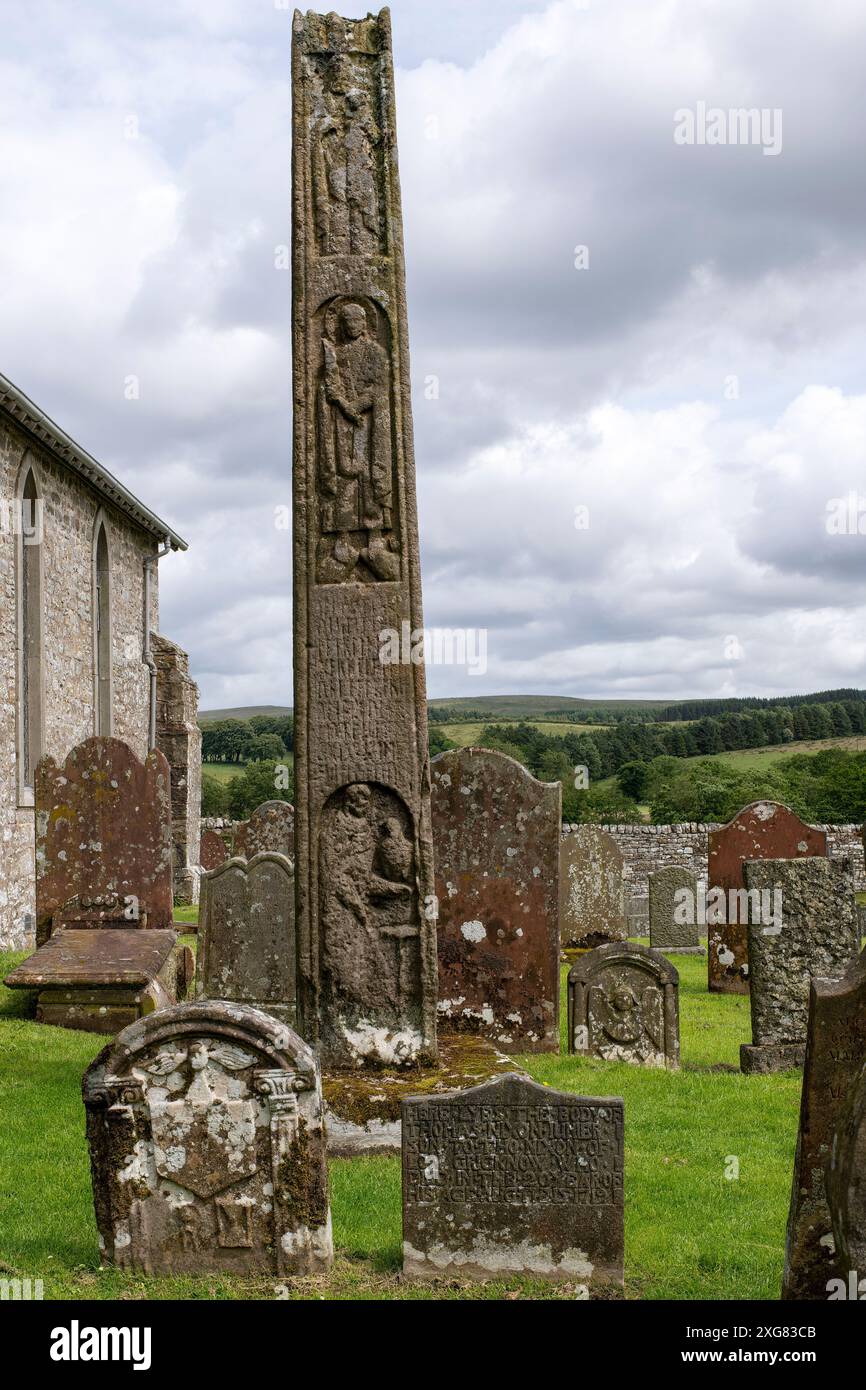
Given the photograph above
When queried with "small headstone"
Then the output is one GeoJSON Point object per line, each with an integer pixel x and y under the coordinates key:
{"type": "Point", "coordinates": [835, 1052]}
{"type": "Point", "coordinates": [247, 949]}
{"type": "Point", "coordinates": [271, 827]}
{"type": "Point", "coordinates": [207, 1146]}
{"type": "Point", "coordinates": [496, 834]}
{"type": "Point", "coordinates": [213, 850]}
{"type": "Point", "coordinates": [591, 892]}
{"type": "Point", "coordinates": [804, 927]}
{"type": "Point", "coordinates": [764, 830]}
{"type": "Point", "coordinates": [623, 1006]}
{"type": "Point", "coordinates": [103, 836]}
{"type": "Point", "coordinates": [673, 911]}
{"type": "Point", "coordinates": [513, 1178]}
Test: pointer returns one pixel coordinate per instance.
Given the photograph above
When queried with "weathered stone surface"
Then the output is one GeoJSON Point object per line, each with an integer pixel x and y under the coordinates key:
{"type": "Point", "coordinates": [207, 1147]}
{"type": "Point", "coordinates": [667, 929]}
{"type": "Point", "coordinates": [815, 936]}
{"type": "Point", "coordinates": [365, 893]}
{"type": "Point", "coordinates": [496, 834]}
{"type": "Point", "coordinates": [178, 736]}
{"type": "Point", "coordinates": [835, 1052]}
{"type": "Point", "coordinates": [846, 1188]}
{"type": "Point", "coordinates": [764, 830]}
{"type": "Point", "coordinates": [247, 945]}
{"type": "Point", "coordinates": [214, 850]}
{"type": "Point", "coordinates": [98, 981]}
{"type": "Point", "coordinates": [103, 836]}
{"type": "Point", "coordinates": [623, 1006]}
{"type": "Point", "coordinates": [271, 827]}
{"type": "Point", "coordinates": [591, 894]}
{"type": "Point", "coordinates": [514, 1178]}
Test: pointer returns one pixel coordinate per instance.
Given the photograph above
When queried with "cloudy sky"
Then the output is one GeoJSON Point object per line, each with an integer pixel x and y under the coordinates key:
{"type": "Point", "coordinates": [692, 379]}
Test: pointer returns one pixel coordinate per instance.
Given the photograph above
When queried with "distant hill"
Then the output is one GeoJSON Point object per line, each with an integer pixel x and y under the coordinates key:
{"type": "Point", "coordinates": [208, 716]}
{"type": "Point", "coordinates": [487, 706]}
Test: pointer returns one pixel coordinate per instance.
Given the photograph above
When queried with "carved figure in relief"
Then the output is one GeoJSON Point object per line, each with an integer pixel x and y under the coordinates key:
{"type": "Point", "coordinates": [345, 164]}
{"type": "Point", "coordinates": [627, 1022]}
{"type": "Point", "coordinates": [355, 466]}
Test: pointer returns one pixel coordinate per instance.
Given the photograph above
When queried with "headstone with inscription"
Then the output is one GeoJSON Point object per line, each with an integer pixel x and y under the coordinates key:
{"type": "Point", "coordinates": [247, 947]}
{"type": "Point", "coordinates": [496, 834]}
{"type": "Point", "coordinates": [513, 1178]}
{"type": "Point", "coordinates": [213, 850]}
{"type": "Point", "coordinates": [270, 828]}
{"type": "Point", "coordinates": [764, 830]}
{"type": "Point", "coordinates": [835, 1056]}
{"type": "Point", "coordinates": [591, 892]}
{"type": "Point", "coordinates": [803, 926]}
{"type": "Point", "coordinates": [207, 1146]}
{"type": "Point", "coordinates": [673, 911]}
{"type": "Point", "coordinates": [366, 906]}
{"type": "Point", "coordinates": [623, 1006]}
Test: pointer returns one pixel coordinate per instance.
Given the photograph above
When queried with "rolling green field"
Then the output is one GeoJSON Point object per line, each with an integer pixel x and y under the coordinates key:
{"type": "Point", "coordinates": [691, 1231]}
{"type": "Point", "coordinates": [468, 735]}
{"type": "Point", "coordinates": [752, 759]}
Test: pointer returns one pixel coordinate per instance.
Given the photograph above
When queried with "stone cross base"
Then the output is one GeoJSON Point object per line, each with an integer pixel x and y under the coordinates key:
{"type": "Point", "coordinates": [758, 1058]}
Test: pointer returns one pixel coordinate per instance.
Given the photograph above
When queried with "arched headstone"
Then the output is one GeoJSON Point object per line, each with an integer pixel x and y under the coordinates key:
{"type": "Point", "coordinates": [270, 828]}
{"type": "Point", "coordinates": [246, 935]}
{"type": "Point", "coordinates": [623, 1006]}
{"type": "Point", "coordinates": [591, 892]}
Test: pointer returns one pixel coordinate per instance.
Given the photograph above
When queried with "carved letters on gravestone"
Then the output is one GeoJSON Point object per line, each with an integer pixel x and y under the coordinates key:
{"type": "Point", "coordinates": [835, 1052]}
{"type": "Point", "coordinates": [271, 827]}
{"type": "Point", "coordinates": [673, 911]}
{"type": "Point", "coordinates": [804, 927]}
{"type": "Point", "coordinates": [207, 1146]}
{"type": "Point", "coordinates": [496, 834]}
{"type": "Point", "coordinates": [364, 866]}
{"type": "Point", "coordinates": [592, 897]}
{"type": "Point", "coordinates": [103, 836]}
{"type": "Point", "coordinates": [764, 830]}
{"type": "Point", "coordinates": [623, 1006]}
{"type": "Point", "coordinates": [247, 944]}
{"type": "Point", "coordinates": [514, 1178]}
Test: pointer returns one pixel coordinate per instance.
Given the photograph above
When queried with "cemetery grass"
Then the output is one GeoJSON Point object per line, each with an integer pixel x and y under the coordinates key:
{"type": "Point", "coordinates": [691, 1232]}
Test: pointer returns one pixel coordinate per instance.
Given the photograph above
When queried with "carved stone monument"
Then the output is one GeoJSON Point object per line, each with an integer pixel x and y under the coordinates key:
{"type": "Point", "coordinates": [846, 1190]}
{"type": "Point", "coordinates": [804, 927]}
{"type": "Point", "coordinates": [835, 1053]}
{"type": "Point", "coordinates": [364, 864]}
{"type": "Point", "coordinates": [764, 830]}
{"type": "Point", "coordinates": [623, 1006]}
{"type": "Point", "coordinates": [591, 893]}
{"type": "Point", "coordinates": [271, 827]}
{"type": "Point", "coordinates": [496, 834]}
{"type": "Point", "coordinates": [247, 946]}
{"type": "Point", "coordinates": [514, 1178]}
{"type": "Point", "coordinates": [673, 911]}
{"type": "Point", "coordinates": [207, 1148]}
{"type": "Point", "coordinates": [214, 850]}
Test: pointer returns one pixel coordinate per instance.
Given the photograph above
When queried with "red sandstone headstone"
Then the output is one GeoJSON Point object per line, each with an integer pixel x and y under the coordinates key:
{"type": "Point", "coordinates": [213, 851]}
{"type": "Point", "coordinates": [496, 836]}
{"type": "Point", "coordinates": [764, 830]}
{"type": "Point", "coordinates": [269, 830]}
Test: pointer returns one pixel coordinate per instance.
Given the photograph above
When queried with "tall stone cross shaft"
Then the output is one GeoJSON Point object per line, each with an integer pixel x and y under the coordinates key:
{"type": "Point", "coordinates": [366, 913]}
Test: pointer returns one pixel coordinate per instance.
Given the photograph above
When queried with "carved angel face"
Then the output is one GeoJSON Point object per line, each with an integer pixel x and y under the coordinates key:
{"type": "Point", "coordinates": [623, 1001]}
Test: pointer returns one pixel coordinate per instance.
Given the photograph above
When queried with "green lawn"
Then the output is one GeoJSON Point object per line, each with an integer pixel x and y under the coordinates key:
{"type": "Point", "coordinates": [468, 735]}
{"type": "Point", "coordinates": [690, 1232]}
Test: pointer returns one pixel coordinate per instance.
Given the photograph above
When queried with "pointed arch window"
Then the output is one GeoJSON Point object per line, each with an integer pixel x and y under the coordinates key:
{"type": "Point", "coordinates": [29, 602]}
{"type": "Point", "coordinates": [101, 629]}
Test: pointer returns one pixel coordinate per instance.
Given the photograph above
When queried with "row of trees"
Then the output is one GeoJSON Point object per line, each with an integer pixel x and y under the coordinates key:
{"type": "Point", "coordinates": [696, 709]}
{"type": "Point", "coordinates": [263, 737]}
{"type": "Point", "coordinates": [239, 797]}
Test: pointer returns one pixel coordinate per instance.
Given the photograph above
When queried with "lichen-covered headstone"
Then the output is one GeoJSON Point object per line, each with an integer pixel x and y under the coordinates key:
{"type": "Point", "coordinates": [591, 892]}
{"type": "Point", "coordinates": [846, 1191]}
{"type": "Point", "coordinates": [364, 853]}
{"type": "Point", "coordinates": [271, 827]}
{"type": "Point", "coordinates": [764, 830]}
{"type": "Point", "coordinates": [213, 850]}
{"type": "Point", "coordinates": [247, 945]}
{"type": "Point", "coordinates": [673, 911]}
{"type": "Point", "coordinates": [513, 1178]}
{"type": "Point", "coordinates": [804, 927]}
{"type": "Point", "coordinates": [496, 834]}
{"type": "Point", "coordinates": [207, 1146]}
{"type": "Point", "coordinates": [103, 837]}
{"type": "Point", "coordinates": [623, 1006]}
{"type": "Point", "coordinates": [835, 1053]}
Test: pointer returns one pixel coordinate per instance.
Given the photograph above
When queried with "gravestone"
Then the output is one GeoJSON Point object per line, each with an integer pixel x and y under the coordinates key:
{"type": "Point", "coordinates": [764, 830]}
{"type": "Point", "coordinates": [207, 1147]}
{"type": "Point", "coordinates": [214, 850]}
{"type": "Point", "coordinates": [364, 860]}
{"type": "Point", "coordinates": [673, 911]}
{"type": "Point", "coordinates": [247, 948]}
{"type": "Point", "coordinates": [591, 893]}
{"type": "Point", "coordinates": [623, 1006]}
{"type": "Point", "coordinates": [809, 932]}
{"type": "Point", "coordinates": [103, 836]}
{"type": "Point", "coordinates": [846, 1191]}
{"type": "Point", "coordinates": [835, 1053]}
{"type": "Point", "coordinates": [496, 834]}
{"type": "Point", "coordinates": [271, 827]}
{"type": "Point", "coordinates": [513, 1178]}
